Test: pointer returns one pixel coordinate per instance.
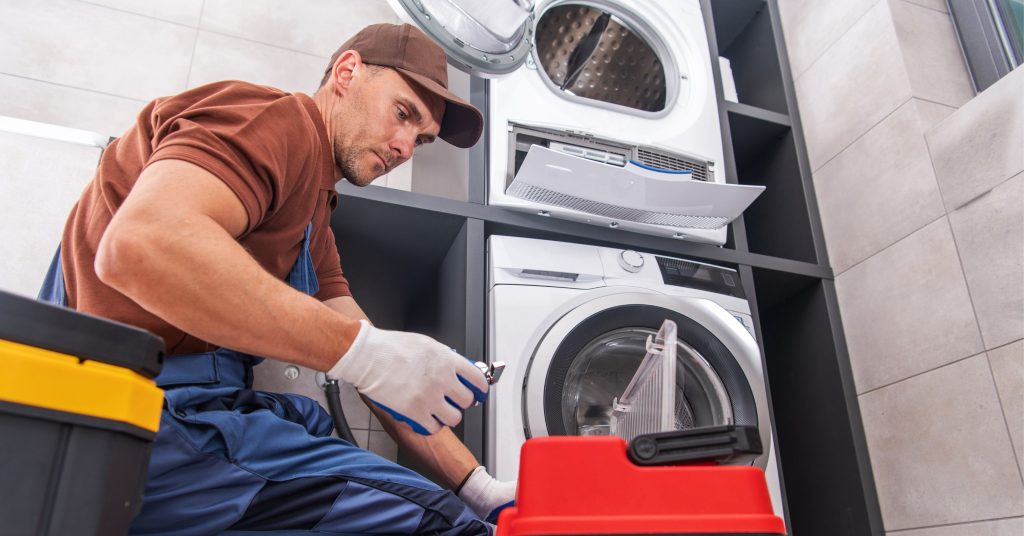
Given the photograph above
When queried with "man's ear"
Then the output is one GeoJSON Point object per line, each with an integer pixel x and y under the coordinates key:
{"type": "Point", "coordinates": [348, 65]}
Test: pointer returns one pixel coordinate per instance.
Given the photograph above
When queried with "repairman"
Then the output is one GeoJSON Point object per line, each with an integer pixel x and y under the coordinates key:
{"type": "Point", "coordinates": [208, 223]}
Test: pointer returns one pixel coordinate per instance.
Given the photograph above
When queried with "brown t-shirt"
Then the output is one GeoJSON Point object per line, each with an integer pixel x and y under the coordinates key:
{"type": "Point", "coordinates": [268, 146]}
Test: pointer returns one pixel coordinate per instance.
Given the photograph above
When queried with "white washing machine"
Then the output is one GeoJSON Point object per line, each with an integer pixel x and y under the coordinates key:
{"type": "Point", "coordinates": [571, 322]}
{"type": "Point", "coordinates": [600, 111]}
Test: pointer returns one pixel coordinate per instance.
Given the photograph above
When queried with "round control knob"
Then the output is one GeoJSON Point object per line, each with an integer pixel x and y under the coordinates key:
{"type": "Point", "coordinates": [631, 261]}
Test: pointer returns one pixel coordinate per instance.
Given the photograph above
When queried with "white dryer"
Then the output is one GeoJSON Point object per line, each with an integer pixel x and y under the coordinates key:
{"type": "Point", "coordinates": [600, 111]}
{"type": "Point", "coordinates": [571, 322]}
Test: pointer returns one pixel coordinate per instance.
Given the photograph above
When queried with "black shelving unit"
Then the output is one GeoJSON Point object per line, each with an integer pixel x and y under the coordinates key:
{"type": "Point", "coordinates": [419, 263]}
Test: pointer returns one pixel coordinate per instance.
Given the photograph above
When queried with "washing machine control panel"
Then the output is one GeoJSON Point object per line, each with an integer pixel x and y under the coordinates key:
{"type": "Point", "coordinates": [701, 276]}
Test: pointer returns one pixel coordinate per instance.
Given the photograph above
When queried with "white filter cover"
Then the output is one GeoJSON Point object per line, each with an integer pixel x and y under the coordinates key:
{"type": "Point", "coordinates": [629, 193]}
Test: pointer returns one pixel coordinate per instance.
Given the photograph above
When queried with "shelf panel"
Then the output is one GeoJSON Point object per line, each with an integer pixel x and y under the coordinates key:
{"type": "Point", "coordinates": [744, 34]}
{"type": "Point", "coordinates": [504, 221]}
{"type": "Point", "coordinates": [829, 487]}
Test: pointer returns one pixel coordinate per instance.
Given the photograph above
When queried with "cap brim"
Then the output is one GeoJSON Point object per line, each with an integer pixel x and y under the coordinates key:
{"type": "Point", "coordinates": [462, 123]}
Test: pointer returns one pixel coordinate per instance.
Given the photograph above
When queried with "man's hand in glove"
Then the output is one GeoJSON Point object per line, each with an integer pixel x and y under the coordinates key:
{"type": "Point", "coordinates": [416, 379]}
{"type": "Point", "coordinates": [486, 495]}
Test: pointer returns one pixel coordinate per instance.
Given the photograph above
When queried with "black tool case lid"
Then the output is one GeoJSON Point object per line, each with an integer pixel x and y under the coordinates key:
{"type": "Point", "coordinates": [63, 330]}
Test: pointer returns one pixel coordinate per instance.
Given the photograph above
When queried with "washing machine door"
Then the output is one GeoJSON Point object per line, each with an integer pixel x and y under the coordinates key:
{"type": "Point", "coordinates": [587, 357]}
{"type": "Point", "coordinates": [483, 38]}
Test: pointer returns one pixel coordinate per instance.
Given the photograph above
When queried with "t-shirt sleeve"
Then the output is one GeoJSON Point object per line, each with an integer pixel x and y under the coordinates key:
{"type": "Point", "coordinates": [328, 266]}
{"type": "Point", "coordinates": [248, 145]}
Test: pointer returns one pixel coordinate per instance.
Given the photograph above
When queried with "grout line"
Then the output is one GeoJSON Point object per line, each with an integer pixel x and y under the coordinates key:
{"type": "Point", "coordinates": [923, 372]}
{"type": "Point", "coordinates": [958, 524]}
{"type": "Point", "coordinates": [176, 23]}
{"type": "Point", "coordinates": [1006, 421]}
{"type": "Point", "coordinates": [833, 44]}
{"type": "Point", "coordinates": [195, 44]}
{"type": "Point", "coordinates": [68, 86]}
{"type": "Point", "coordinates": [303, 52]}
{"type": "Point", "coordinates": [865, 133]}
{"type": "Point", "coordinates": [912, 2]}
{"type": "Point", "coordinates": [898, 240]}
{"type": "Point", "coordinates": [199, 27]}
{"type": "Point", "coordinates": [981, 337]}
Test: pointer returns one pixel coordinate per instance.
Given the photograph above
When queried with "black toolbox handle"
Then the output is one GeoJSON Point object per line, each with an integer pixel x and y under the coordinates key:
{"type": "Point", "coordinates": [710, 443]}
{"type": "Point", "coordinates": [66, 331]}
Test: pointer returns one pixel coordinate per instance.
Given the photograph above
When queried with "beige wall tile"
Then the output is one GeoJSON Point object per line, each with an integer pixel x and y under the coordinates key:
{"type": "Point", "coordinates": [270, 376]}
{"type": "Point", "coordinates": [930, 114]}
{"type": "Point", "coordinates": [1002, 527]}
{"type": "Point", "coordinates": [93, 47]}
{"type": "Point", "coordinates": [939, 449]}
{"type": "Point", "coordinates": [1007, 365]}
{"type": "Point", "coordinates": [906, 310]}
{"type": "Point", "coordinates": [811, 26]}
{"type": "Point", "coordinates": [878, 190]}
{"type": "Point", "coordinates": [362, 438]}
{"type": "Point", "coordinates": [980, 145]}
{"type": "Point", "coordinates": [219, 57]}
{"type": "Point", "coordinates": [180, 11]}
{"type": "Point", "coordinates": [931, 53]}
{"type": "Point", "coordinates": [855, 84]}
{"type": "Point", "coordinates": [66, 106]}
{"type": "Point", "coordinates": [382, 445]}
{"type": "Point", "coordinates": [989, 234]}
{"type": "Point", "coordinates": [46, 176]}
{"type": "Point", "coordinates": [317, 27]}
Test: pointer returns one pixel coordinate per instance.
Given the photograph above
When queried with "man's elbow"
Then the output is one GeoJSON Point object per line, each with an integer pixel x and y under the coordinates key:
{"type": "Point", "coordinates": [120, 256]}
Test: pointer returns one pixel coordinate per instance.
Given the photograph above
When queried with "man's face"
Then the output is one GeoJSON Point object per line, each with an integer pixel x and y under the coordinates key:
{"type": "Point", "coordinates": [382, 119]}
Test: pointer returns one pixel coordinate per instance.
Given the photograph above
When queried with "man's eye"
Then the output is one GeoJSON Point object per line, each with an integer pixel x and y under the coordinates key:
{"type": "Point", "coordinates": [401, 114]}
{"type": "Point", "coordinates": [419, 141]}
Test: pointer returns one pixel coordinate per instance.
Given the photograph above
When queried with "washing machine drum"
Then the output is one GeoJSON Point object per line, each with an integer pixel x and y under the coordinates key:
{"type": "Point", "coordinates": [595, 360]}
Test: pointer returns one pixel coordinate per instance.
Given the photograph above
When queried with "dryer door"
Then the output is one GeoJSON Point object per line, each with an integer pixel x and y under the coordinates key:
{"type": "Point", "coordinates": [589, 355]}
{"type": "Point", "coordinates": [483, 38]}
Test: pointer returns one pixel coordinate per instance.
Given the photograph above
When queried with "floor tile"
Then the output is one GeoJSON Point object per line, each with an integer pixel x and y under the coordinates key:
{"type": "Point", "coordinates": [939, 449]}
{"type": "Point", "coordinates": [989, 234]}
{"type": "Point", "coordinates": [906, 310]}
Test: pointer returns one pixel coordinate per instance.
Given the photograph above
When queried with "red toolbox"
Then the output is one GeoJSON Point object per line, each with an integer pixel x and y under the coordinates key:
{"type": "Point", "coordinates": [590, 485]}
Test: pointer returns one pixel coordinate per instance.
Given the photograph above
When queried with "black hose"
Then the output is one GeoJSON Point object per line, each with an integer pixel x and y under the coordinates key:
{"type": "Point", "coordinates": [332, 392]}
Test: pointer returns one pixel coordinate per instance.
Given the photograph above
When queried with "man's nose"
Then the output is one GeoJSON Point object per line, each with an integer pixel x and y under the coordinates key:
{"type": "Point", "coordinates": [403, 145]}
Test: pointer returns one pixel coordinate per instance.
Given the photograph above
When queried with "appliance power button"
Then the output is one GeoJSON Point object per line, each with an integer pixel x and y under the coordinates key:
{"type": "Point", "coordinates": [631, 261]}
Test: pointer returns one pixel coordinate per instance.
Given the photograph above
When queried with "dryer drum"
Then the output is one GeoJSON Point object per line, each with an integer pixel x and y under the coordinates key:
{"type": "Point", "coordinates": [593, 54]}
{"type": "Point", "coordinates": [581, 372]}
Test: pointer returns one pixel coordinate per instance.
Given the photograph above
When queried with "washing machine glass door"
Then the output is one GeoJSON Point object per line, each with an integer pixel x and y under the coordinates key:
{"type": "Point", "coordinates": [483, 38]}
{"type": "Point", "coordinates": [601, 370]}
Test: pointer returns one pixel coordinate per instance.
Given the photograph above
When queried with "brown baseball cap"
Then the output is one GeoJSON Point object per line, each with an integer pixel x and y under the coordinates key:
{"type": "Point", "coordinates": [409, 51]}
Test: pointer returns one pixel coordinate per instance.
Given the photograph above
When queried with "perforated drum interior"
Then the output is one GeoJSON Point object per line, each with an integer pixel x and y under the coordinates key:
{"type": "Point", "coordinates": [593, 54]}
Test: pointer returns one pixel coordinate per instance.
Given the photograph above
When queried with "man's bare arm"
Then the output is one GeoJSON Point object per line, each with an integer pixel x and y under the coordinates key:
{"type": "Point", "coordinates": [171, 248]}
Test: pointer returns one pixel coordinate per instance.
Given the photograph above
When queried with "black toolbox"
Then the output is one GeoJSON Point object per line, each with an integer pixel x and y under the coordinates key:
{"type": "Point", "coordinates": [78, 413]}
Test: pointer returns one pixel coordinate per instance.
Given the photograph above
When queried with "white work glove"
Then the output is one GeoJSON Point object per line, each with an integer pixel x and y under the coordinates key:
{"type": "Point", "coordinates": [486, 495]}
{"type": "Point", "coordinates": [414, 378]}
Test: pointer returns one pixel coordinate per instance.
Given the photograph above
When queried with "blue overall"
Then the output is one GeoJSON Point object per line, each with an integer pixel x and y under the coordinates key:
{"type": "Point", "coordinates": [227, 458]}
